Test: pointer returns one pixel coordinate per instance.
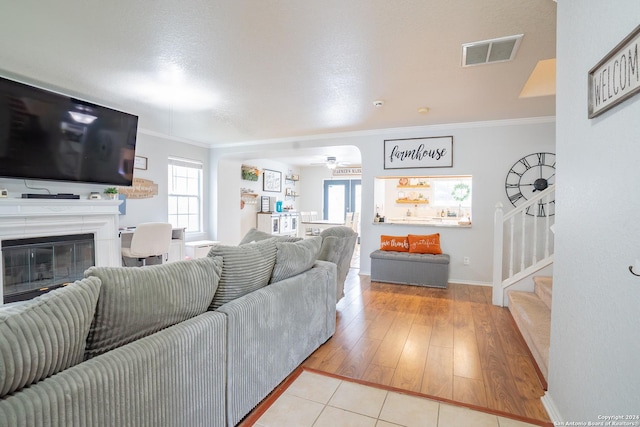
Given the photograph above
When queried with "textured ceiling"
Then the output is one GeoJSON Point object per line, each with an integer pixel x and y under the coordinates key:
{"type": "Point", "coordinates": [226, 71]}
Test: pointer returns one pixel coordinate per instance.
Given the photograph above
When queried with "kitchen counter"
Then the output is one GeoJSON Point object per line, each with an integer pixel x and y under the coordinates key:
{"type": "Point", "coordinates": [425, 221]}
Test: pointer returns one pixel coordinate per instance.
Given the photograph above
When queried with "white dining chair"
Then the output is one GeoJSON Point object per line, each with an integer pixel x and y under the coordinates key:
{"type": "Point", "coordinates": [355, 220]}
{"type": "Point", "coordinates": [150, 239]}
{"type": "Point", "coordinates": [308, 216]}
{"type": "Point", "coordinates": [348, 220]}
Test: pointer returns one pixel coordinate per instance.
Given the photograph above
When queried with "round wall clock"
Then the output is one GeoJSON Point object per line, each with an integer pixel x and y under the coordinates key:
{"type": "Point", "coordinates": [529, 175]}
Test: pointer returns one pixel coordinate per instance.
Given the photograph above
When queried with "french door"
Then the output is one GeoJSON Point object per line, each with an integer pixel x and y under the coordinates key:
{"type": "Point", "coordinates": [341, 196]}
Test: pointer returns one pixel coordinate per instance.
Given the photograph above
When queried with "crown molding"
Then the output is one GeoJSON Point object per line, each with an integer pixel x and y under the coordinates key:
{"type": "Point", "coordinates": [153, 133]}
{"type": "Point", "coordinates": [358, 133]}
{"type": "Point", "coordinates": [393, 131]}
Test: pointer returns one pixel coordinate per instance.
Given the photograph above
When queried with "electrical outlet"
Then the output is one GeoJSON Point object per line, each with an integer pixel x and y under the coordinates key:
{"type": "Point", "coordinates": [465, 260]}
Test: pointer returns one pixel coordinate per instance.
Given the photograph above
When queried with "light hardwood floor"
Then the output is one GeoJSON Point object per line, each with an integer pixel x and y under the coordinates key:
{"type": "Point", "coordinates": [448, 343]}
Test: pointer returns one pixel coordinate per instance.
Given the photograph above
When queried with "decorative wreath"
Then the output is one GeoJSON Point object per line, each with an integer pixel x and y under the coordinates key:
{"type": "Point", "coordinates": [460, 192]}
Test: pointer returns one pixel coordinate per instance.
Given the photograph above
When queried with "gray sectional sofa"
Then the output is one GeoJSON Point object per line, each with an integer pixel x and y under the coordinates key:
{"type": "Point", "coordinates": [190, 343]}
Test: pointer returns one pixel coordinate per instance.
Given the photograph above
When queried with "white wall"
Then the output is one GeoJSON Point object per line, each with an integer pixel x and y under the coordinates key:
{"type": "Point", "coordinates": [593, 367]}
{"type": "Point", "coordinates": [16, 187]}
{"type": "Point", "coordinates": [228, 221]}
{"type": "Point", "coordinates": [484, 150]}
{"type": "Point", "coordinates": [225, 205]}
{"type": "Point", "coordinates": [157, 150]}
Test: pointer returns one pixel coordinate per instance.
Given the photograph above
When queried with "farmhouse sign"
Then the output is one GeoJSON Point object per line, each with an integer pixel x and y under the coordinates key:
{"type": "Point", "coordinates": [433, 152]}
{"type": "Point", "coordinates": [616, 77]}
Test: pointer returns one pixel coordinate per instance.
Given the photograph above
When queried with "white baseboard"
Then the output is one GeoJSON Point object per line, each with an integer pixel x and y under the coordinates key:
{"type": "Point", "coordinates": [551, 408]}
{"type": "Point", "coordinates": [461, 282]}
{"type": "Point", "coordinates": [470, 282]}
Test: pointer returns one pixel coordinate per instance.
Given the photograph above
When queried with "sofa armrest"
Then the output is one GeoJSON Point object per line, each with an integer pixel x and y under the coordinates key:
{"type": "Point", "coordinates": [332, 292]}
{"type": "Point", "coordinates": [272, 330]}
{"type": "Point", "coordinates": [175, 377]}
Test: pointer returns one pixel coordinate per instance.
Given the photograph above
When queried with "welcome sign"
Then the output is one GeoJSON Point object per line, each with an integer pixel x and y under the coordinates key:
{"type": "Point", "coordinates": [616, 77]}
{"type": "Point", "coordinates": [432, 152]}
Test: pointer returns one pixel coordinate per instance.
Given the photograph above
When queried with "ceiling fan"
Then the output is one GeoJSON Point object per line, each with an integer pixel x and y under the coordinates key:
{"type": "Point", "coordinates": [331, 163]}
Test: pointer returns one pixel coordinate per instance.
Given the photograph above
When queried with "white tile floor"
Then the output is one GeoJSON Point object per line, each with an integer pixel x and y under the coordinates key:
{"type": "Point", "coordinates": [314, 400]}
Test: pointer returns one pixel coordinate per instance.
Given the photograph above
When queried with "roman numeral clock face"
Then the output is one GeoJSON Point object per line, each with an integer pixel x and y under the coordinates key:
{"type": "Point", "coordinates": [528, 176]}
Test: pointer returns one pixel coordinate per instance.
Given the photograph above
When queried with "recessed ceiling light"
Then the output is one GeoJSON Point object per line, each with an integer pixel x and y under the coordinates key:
{"type": "Point", "coordinates": [423, 110]}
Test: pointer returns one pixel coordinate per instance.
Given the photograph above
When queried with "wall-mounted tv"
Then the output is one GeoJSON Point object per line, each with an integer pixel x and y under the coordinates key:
{"type": "Point", "coordinates": [49, 136]}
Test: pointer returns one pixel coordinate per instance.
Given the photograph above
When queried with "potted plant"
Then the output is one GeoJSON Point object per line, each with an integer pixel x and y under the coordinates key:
{"type": "Point", "coordinates": [111, 193]}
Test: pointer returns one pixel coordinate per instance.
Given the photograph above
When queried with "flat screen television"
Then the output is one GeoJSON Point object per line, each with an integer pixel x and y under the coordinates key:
{"type": "Point", "coordinates": [49, 136]}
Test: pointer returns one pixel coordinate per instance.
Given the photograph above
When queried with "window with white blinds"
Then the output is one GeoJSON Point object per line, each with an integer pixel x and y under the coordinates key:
{"type": "Point", "coordinates": [185, 194]}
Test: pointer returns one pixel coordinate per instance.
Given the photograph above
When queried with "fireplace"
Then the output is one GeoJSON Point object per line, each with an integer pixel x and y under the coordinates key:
{"type": "Point", "coordinates": [37, 265]}
{"type": "Point", "coordinates": [30, 220]}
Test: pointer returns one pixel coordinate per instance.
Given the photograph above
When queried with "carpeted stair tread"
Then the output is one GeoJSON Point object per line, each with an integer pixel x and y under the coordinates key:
{"type": "Point", "coordinates": [543, 288]}
{"type": "Point", "coordinates": [533, 318]}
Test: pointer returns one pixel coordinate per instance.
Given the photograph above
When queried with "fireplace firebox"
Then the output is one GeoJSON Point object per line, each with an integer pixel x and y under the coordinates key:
{"type": "Point", "coordinates": [34, 266]}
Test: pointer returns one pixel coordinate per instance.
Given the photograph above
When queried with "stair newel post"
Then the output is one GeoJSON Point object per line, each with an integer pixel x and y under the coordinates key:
{"type": "Point", "coordinates": [498, 235]}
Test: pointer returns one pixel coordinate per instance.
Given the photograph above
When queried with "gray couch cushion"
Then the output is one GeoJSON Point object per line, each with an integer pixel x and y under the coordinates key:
{"type": "Point", "coordinates": [295, 258]}
{"type": "Point", "coordinates": [46, 335]}
{"type": "Point", "coordinates": [255, 235]}
{"type": "Point", "coordinates": [138, 301]}
{"type": "Point", "coordinates": [338, 245]}
{"type": "Point", "coordinates": [245, 268]}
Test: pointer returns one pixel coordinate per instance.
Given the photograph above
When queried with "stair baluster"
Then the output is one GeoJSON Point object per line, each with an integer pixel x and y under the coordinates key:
{"type": "Point", "coordinates": [529, 230]}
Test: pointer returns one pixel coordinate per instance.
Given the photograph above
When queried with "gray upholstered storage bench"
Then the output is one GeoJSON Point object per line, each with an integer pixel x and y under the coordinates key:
{"type": "Point", "coordinates": [410, 268]}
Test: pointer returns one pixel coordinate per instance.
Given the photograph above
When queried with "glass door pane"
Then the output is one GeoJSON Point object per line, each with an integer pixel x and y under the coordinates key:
{"type": "Point", "coordinates": [341, 197]}
{"type": "Point", "coordinates": [356, 195]}
{"type": "Point", "coordinates": [336, 206]}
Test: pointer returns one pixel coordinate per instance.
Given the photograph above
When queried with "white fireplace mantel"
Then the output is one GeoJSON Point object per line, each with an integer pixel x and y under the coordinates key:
{"type": "Point", "coordinates": [25, 218]}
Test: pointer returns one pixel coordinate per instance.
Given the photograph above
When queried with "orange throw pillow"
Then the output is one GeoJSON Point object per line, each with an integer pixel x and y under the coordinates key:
{"type": "Point", "coordinates": [427, 244]}
{"type": "Point", "coordinates": [394, 243]}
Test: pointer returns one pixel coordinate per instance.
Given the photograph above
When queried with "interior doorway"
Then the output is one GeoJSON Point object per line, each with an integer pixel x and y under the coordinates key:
{"type": "Point", "coordinates": [343, 197]}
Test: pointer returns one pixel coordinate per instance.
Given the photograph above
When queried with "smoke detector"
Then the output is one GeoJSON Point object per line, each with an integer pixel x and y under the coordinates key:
{"type": "Point", "coordinates": [489, 51]}
{"type": "Point", "coordinates": [378, 103]}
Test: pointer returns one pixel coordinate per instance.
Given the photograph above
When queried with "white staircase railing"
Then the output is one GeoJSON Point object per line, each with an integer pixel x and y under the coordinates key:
{"type": "Point", "coordinates": [522, 241]}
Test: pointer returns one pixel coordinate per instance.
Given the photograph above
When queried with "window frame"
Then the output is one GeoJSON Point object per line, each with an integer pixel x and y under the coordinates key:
{"type": "Point", "coordinates": [173, 193]}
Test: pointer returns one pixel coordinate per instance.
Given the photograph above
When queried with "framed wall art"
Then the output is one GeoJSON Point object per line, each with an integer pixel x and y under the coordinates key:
{"type": "Point", "coordinates": [272, 181]}
{"type": "Point", "coordinates": [430, 152]}
{"type": "Point", "coordinates": [140, 163]}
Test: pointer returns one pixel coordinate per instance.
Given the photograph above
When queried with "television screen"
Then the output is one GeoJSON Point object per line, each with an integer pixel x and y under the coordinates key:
{"type": "Point", "coordinates": [45, 135]}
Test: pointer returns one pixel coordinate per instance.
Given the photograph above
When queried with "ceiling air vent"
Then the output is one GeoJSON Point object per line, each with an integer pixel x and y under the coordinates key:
{"type": "Point", "coordinates": [489, 51]}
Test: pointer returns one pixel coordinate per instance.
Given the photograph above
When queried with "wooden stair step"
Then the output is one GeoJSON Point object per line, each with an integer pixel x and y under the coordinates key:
{"type": "Point", "coordinates": [543, 288]}
{"type": "Point", "coordinates": [533, 318]}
